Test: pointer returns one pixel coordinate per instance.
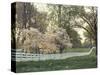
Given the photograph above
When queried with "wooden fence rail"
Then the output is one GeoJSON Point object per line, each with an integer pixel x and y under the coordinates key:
{"type": "Point", "coordinates": [19, 56]}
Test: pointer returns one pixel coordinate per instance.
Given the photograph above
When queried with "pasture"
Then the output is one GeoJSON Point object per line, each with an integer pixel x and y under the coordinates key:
{"type": "Point", "coordinates": [82, 62]}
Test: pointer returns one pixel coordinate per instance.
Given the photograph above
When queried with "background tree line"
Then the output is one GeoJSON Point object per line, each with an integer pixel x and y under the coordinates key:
{"type": "Point", "coordinates": [59, 16]}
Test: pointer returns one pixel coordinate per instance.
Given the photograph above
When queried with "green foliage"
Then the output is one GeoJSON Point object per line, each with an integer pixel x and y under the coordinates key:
{"type": "Point", "coordinates": [57, 16]}
{"type": "Point", "coordinates": [75, 38]}
{"type": "Point", "coordinates": [88, 22]}
{"type": "Point", "coordinates": [27, 16]}
{"type": "Point", "coordinates": [89, 40]}
{"type": "Point", "coordinates": [65, 20]}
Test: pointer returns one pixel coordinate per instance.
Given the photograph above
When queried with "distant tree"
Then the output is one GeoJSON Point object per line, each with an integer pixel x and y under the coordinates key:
{"type": "Point", "coordinates": [88, 37]}
{"type": "Point", "coordinates": [63, 19]}
{"type": "Point", "coordinates": [87, 16]}
{"type": "Point", "coordinates": [27, 16]}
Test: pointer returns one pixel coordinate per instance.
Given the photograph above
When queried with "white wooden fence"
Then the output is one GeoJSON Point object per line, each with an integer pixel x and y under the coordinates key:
{"type": "Point", "coordinates": [19, 56]}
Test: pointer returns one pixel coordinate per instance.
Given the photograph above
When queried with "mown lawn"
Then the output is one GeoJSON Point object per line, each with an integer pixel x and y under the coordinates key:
{"type": "Point", "coordinates": [82, 62]}
{"type": "Point", "coordinates": [77, 50]}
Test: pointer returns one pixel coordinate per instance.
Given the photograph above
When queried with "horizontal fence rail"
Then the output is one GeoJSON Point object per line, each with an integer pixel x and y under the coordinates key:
{"type": "Point", "coordinates": [20, 56]}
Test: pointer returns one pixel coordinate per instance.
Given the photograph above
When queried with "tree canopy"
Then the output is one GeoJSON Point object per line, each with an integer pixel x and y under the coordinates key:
{"type": "Point", "coordinates": [39, 29]}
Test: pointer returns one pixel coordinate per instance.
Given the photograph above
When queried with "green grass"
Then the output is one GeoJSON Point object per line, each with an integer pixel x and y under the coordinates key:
{"type": "Point", "coordinates": [82, 62]}
{"type": "Point", "coordinates": [76, 50]}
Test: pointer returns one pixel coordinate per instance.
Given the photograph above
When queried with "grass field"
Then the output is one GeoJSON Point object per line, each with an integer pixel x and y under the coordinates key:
{"type": "Point", "coordinates": [82, 62]}
{"type": "Point", "coordinates": [77, 50]}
